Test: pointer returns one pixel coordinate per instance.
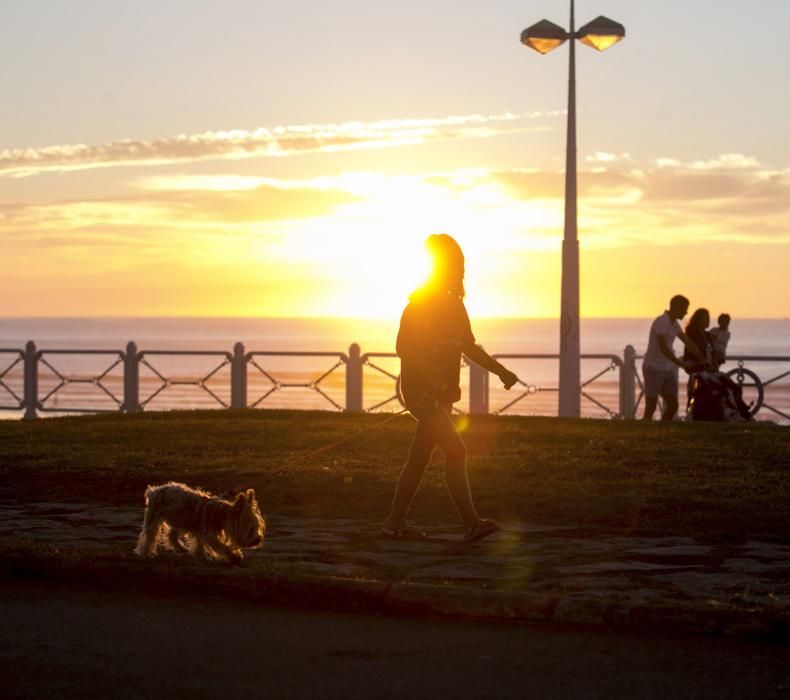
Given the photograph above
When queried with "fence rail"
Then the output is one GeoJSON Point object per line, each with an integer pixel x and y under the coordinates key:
{"type": "Point", "coordinates": [35, 381]}
{"type": "Point", "coordinates": [6, 373]}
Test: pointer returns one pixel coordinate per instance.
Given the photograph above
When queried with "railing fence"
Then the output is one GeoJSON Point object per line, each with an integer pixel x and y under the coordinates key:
{"type": "Point", "coordinates": [254, 382]}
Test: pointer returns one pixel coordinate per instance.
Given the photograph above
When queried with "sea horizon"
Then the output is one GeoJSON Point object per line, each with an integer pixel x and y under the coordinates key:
{"type": "Point", "coordinates": [503, 334]}
{"type": "Point", "coordinates": [15, 317]}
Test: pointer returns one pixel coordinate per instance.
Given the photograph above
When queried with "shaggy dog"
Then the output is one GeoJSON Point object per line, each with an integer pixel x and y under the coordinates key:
{"type": "Point", "coordinates": [216, 528]}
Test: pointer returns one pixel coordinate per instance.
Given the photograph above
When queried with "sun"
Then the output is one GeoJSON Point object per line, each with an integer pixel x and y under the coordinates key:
{"type": "Point", "coordinates": [365, 258]}
{"type": "Point", "coordinates": [373, 249]}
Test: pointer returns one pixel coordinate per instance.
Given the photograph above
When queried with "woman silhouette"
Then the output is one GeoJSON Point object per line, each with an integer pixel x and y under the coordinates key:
{"type": "Point", "coordinates": [701, 360]}
{"type": "Point", "coordinates": [434, 331]}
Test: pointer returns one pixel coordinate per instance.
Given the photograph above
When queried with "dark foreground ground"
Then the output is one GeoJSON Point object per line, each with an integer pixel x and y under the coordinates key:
{"type": "Point", "coordinates": [718, 483]}
{"type": "Point", "coordinates": [645, 529]}
{"type": "Point", "coordinates": [60, 642]}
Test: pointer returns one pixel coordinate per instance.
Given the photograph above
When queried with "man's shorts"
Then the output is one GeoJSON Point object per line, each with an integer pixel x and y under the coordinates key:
{"type": "Point", "coordinates": [660, 382]}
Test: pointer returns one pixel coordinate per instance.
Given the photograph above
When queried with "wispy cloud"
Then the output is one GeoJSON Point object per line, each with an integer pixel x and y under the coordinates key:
{"type": "Point", "coordinates": [728, 198]}
{"type": "Point", "coordinates": [604, 157]}
{"type": "Point", "coordinates": [133, 219]}
{"type": "Point", "coordinates": [624, 205]}
{"type": "Point", "coordinates": [726, 161]}
{"type": "Point", "coordinates": [288, 233]}
{"type": "Point", "coordinates": [622, 202]}
{"type": "Point", "coordinates": [277, 142]}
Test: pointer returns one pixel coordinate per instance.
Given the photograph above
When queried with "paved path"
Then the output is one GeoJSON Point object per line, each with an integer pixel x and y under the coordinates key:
{"type": "Point", "coordinates": [580, 572]}
{"type": "Point", "coordinates": [64, 642]}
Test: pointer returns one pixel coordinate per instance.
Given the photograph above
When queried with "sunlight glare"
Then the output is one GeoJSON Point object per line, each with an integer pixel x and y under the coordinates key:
{"type": "Point", "coordinates": [373, 252]}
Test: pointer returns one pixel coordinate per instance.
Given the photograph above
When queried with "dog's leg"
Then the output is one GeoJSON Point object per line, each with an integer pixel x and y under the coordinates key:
{"type": "Point", "coordinates": [147, 542]}
{"type": "Point", "coordinates": [197, 548]}
{"type": "Point", "coordinates": [233, 554]}
{"type": "Point", "coordinates": [174, 538]}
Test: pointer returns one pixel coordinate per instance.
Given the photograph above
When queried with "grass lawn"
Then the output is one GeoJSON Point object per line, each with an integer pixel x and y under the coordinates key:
{"type": "Point", "coordinates": [715, 482]}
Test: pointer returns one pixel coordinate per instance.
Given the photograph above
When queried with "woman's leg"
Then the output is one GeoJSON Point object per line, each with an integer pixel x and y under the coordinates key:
{"type": "Point", "coordinates": [420, 451]}
{"type": "Point", "coordinates": [454, 449]}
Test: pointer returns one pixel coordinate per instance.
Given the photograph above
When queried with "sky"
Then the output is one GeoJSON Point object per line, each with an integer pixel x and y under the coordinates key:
{"type": "Point", "coordinates": [195, 158]}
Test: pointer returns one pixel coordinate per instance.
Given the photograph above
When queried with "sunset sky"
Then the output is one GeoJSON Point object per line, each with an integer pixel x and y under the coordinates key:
{"type": "Point", "coordinates": [288, 159]}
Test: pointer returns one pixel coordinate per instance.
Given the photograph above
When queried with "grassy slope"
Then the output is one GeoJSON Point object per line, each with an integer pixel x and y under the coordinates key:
{"type": "Point", "coordinates": [712, 481]}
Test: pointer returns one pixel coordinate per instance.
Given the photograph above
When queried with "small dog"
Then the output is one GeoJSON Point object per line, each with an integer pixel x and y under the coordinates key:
{"type": "Point", "coordinates": [216, 528]}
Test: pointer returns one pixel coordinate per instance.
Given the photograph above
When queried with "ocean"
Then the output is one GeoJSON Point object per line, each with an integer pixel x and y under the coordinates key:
{"type": "Point", "coordinates": [293, 381]}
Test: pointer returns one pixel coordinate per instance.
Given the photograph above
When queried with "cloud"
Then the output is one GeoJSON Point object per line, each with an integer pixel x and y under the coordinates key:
{"type": "Point", "coordinates": [551, 185]}
{"type": "Point", "coordinates": [726, 161]}
{"type": "Point", "coordinates": [159, 225]}
{"type": "Point", "coordinates": [689, 184]}
{"type": "Point", "coordinates": [278, 142]}
{"type": "Point", "coordinates": [232, 234]}
{"type": "Point", "coordinates": [669, 203]}
{"type": "Point", "coordinates": [602, 157]}
{"type": "Point", "coordinates": [172, 216]}
{"type": "Point", "coordinates": [263, 203]}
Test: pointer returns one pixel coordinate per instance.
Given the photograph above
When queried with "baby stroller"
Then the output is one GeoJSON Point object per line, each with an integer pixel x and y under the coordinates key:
{"type": "Point", "coordinates": [715, 397]}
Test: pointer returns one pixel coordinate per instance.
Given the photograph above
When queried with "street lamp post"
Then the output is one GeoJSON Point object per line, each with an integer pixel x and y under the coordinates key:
{"type": "Point", "coordinates": [543, 37]}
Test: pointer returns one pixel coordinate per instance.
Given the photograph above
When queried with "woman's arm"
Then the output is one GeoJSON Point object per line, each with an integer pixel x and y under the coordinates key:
{"type": "Point", "coordinates": [480, 357]}
{"type": "Point", "coordinates": [692, 346]}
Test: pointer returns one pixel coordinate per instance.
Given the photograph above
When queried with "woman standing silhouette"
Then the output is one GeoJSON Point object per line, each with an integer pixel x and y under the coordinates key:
{"type": "Point", "coordinates": [434, 332]}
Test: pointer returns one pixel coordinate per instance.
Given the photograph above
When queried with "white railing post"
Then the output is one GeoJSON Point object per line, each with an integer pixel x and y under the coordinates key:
{"type": "Point", "coordinates": [131, 379]}
{"type": "Point", "coordinates": [478, 389]}
{"type": "Point", "coordinates": [628, 383]}
{"type": "Point", "coordinates": [238, 377]}
{"type": "Point", "coordinates": [354, 380]}
{"type": "Point", "coordinates": [31, 380]}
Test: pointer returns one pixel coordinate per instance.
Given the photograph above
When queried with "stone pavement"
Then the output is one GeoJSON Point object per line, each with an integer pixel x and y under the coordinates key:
{"type": "Point", "coordinates": [525, 572]}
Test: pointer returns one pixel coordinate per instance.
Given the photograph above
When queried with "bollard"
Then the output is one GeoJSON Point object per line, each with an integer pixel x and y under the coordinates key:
{"type": "Point", "coordinates": [131, 379]}
{"type": "Point", "coordinates": [478, 389]}
{"type": "Point", "coordinates": [238, 377]}
{"type": "Point", "coordinates": [354, 380]}
{"type": "Point", "coordinates": [628, 384]}
{"type": "Point", "coordinates": [31, 380]}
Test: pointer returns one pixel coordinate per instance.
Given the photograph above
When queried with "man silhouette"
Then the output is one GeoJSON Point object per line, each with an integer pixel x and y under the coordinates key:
{"type": "Point", "coordinates": [660, 366]}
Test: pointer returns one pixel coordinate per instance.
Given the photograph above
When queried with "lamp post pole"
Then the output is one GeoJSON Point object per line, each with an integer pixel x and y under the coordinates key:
{"type": "Point", "coordinates": [570, 348]}
{"type": "Point", "coordinates": [543, 37]}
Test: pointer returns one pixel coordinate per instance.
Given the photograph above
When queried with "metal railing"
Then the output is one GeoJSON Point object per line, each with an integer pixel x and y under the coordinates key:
{"type": "Point", "coordinates": [7, 367]}
{"type": "Point", "coordinates": [613, 363]}
{"type": "Point", "coordinates": [64, 379]}
{"type": "Point", "coordinates": [34, 381]}
{"type": "Point", "coordinates": [274, 384]}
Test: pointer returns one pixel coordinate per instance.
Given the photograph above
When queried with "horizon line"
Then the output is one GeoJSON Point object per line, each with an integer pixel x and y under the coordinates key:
{"type": "Point", "coordinates": [337, 318]}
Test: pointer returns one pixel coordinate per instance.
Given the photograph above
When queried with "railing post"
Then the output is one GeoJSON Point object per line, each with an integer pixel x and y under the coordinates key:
{"type": "Point", "coordinates": [31, 380]}
{"type": "Point", "coordinates": [628, 383]}
{"type": "Point", "coordinates": [131, 379]}
{"type": "Point", "coordinates": [354, 380]}
{"type": "Point", "coordinates": [238, 377]}
{"type": "Point", "coordinates": [478, 389]}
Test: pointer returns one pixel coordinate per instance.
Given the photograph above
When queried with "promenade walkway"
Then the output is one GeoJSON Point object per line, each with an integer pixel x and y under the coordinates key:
{"type": "Point", "coordinates": [527, 572]}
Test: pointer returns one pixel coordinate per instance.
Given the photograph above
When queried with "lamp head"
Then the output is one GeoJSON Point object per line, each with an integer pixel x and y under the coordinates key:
{"type": "Point", "coordinates": [544, 36]}
{"type": "Point", "coordinates": [601, 33]}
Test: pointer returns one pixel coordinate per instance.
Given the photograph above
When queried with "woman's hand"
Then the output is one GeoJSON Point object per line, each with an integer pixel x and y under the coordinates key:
{"type": "Point", "coordinates": [508, 378]}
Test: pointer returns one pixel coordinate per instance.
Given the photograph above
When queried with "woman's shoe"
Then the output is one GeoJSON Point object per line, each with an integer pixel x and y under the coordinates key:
{"type": "Point", "coordinates": [480, 530]}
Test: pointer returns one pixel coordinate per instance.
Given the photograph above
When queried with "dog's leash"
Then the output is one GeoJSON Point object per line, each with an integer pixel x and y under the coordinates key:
{"type": "Point", "coordinates": [334, 444]}
{"type": "Point", "coordinates": [356, 433]}
{"type": "Point", "coordinates": [530, 390]}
